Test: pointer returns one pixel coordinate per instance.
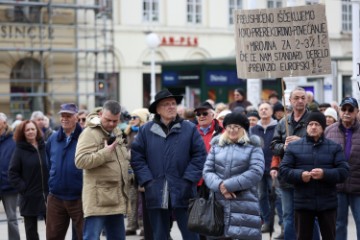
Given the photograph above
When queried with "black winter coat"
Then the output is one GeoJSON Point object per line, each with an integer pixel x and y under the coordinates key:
{"type": "Point", "coordinates": [305, 155]}
{"type": "Point", "coordinates": [28, 173]}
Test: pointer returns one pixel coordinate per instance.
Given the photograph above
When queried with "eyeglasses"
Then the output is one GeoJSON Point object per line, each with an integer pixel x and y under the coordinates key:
{"type": "Point", "coordinates": [233, 128]}
{"type": "Point", "coordinates": [134, 117]}
{"type": "Point", "coordinates": [202, 113]}
{"type": "Point", "coordinates": [349, 109]}
{"type": "Point", "coordinates": [82, 119]}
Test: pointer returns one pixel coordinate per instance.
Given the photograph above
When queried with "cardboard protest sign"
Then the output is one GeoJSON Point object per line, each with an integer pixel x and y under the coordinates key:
{"type": "Point", "coordinates": [282, 42]}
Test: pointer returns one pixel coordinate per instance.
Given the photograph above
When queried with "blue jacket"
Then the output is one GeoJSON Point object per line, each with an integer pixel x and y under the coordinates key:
{"type": "Point", "coordinates": [176, 158]}
{"type": "Point", "coordinates": [305, 155]}
{"type": "Point", "coordinates": [240, 166]}
{"type": "Point", "coordinates": [7, 147]}
{"type": "Point", "coordinates": [65, 180]}
{"type": "Point", "coordinates": [266, 136]}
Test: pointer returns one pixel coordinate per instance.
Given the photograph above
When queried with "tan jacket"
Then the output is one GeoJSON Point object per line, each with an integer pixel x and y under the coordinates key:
{"type": "Point", "coordinates": [105, 184]}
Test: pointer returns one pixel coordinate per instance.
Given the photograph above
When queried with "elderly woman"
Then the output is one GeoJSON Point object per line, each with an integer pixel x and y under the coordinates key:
{"type": "Point", "coordinates": [331, 116]}
{"type": "Point", "coordinates": [233, 169]}
{"type": "Point", "coordinates": [28, 173]}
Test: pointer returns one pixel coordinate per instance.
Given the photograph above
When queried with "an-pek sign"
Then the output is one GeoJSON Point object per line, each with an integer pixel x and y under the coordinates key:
{"type": "Point", "coordinates": [282, 42]}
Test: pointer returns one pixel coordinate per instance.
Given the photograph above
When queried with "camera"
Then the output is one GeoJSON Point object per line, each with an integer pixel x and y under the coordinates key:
{"type": "Point", "coordinates": [111, 140]}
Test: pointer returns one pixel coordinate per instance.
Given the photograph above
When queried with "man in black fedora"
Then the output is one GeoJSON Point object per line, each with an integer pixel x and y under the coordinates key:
{"type": "Point", "coordinates": [167, 157]}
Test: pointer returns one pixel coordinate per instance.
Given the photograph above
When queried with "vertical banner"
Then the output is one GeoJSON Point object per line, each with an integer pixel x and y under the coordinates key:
{"type": "Point", "coordinates": [282, 42]}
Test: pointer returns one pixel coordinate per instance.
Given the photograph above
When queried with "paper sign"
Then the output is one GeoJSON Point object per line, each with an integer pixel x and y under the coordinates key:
{"type": "Point", "coordinates": [282, 42]}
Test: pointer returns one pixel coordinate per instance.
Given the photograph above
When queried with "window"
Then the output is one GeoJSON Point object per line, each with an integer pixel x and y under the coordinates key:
{"type": "Point", "coordinates": [105, 9]}
{"type": "Point", "coordinates": [274, 3]}
{"type": "Point", "coordinates": [150, 10]}
{"type": "Point", "coordinates": [346, 16]}
{"type": "Point", "coordinates": [194, 11]}
{"type": "Point", "coordinates": [311, 2]}
{"type": "Point", "coordinates": [233, 4]}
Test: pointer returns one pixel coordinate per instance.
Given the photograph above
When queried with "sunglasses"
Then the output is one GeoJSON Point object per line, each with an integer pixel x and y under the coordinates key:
{"type": "Point", "coordinates": [134, 117]}
{"type": "Point", "coordinates": [202, 113]}
{"type": "Point", "coordinates": [349, 109]}
{"type": "Point", "coordinates": [82, 119]}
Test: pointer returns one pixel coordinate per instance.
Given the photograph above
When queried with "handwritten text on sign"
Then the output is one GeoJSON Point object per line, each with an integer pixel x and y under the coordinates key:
{"type": "Point", "coordinates": [282, 42]}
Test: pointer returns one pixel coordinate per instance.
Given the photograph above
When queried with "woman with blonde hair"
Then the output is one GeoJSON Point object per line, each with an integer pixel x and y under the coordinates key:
{"type": "Point", "coordinates": [233, 169]}
{"type": "Point", "coordinates": [138, 118]}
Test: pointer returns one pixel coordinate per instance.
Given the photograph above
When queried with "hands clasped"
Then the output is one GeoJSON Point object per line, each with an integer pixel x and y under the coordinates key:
{"type": "Point", "coordinates": [226, 193]}
{"type": "Point", "coordinates": [316, 173]}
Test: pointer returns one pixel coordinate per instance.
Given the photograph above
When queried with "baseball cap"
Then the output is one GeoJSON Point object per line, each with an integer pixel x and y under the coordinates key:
{"type": "Point", "coordinates": [349, 100]}
{"type": "Point", "coordinates": [68, 108]}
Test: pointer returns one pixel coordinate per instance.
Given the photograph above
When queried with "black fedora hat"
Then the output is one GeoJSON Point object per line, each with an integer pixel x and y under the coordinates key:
{"type": "Point", "coordinates": [163, 94]}
{"type": "Point", "coordinates": [205, 105]}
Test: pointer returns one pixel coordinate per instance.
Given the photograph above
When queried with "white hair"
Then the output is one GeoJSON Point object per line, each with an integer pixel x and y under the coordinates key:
{"type": "Point", "coordinates": [3, 117]}
{"type": "Point", "coordinates": [36, 114]}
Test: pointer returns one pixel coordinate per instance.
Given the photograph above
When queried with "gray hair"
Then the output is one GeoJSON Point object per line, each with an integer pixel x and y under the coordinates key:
{"type": "Point", "coordinates": [37, 114]}
{"type": "Point", "coordinates": [3, 117]}
{"type": "Point", "coordinates": [297, 89]}
{"type": "Point", "coordinates": [112, 106]}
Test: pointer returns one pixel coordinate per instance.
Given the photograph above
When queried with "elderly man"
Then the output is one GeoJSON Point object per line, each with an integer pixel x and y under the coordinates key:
{"type": "Point", "coordinates": [102, 154]}
{"type": "Point", "coordinates": [297, 129]}
{"type": "Point", "coordinates": [39, 118]}
{"type": "Point", "coordinates": [346, 132]}
{"type": "Point", "coordinates": [167, 157]}
{"type": "Point", "coordinates": [8, 195]}
{"type": "Point", "coordinates": [265, 129]}
{"type": "Point", "coordinates": [207, 126]}
{"type": "Point", "coordinates": [65, 180]}
{"type": "Point", "coordinates": [314, 165]}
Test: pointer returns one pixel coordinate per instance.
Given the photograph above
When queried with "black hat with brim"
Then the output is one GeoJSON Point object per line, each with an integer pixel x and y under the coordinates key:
{"type": "Point", "coordinates": [204, 106]}
{"type": "Point", "coordinates": [163, 94]}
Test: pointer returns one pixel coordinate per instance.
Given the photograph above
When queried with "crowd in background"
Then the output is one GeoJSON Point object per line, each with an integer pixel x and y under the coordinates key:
{"type": "Point", "coordinates": [45, 167]}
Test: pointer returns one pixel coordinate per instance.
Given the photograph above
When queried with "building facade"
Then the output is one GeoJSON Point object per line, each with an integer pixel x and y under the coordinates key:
{"type": "Point", "coordinates": [87, 51]}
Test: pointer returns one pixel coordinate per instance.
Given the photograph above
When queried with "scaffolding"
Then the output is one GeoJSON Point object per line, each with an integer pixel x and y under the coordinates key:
{"type": "Point", "coordinates": [56, 51]}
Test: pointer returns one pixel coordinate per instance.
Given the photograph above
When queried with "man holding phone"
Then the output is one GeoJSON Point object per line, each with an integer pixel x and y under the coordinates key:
{"type": "Point", "coordinates": [102, 154]}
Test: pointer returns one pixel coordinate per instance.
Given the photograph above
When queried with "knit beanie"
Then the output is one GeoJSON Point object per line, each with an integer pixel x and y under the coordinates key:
{"type": "Point", "coordinates": [142, 113]}
{"type": "Point", "coordinates": [238, 119]}
{"type": "Point", "coordinates": [253, 114]}
{"type": "Point", "coordinates": [331, 112]}
{"type": "Point", "coordinates": [317, 117]}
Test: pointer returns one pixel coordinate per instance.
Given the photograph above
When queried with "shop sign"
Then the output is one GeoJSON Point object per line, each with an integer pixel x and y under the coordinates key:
{"type": "Point", "coordinates": [179, 41]}
{"type": "Point", "coordinates": [222, 78]}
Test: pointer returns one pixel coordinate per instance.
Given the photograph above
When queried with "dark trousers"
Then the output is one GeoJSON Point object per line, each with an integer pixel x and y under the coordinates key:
{"type": "Point", "coordinates": [59, 213]}
{"type": "Point", "coordinates": [148, 233]}
{"type": "Point", "coordinates": [31, 223]}
{"type": "Point", "coordinates": [304, 223]}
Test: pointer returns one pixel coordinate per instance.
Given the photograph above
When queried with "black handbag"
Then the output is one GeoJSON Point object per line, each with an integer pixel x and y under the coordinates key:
{"type": "Point", "coordinates": [206, 216]}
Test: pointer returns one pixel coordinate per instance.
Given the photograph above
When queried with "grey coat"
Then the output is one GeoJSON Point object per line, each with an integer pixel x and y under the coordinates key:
{"type": "Point", "coordinates": [240, 166]}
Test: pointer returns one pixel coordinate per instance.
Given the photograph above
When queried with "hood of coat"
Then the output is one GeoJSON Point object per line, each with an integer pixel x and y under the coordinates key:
{"type": "Point", "coordinates": [254, 140]}
{"type": "Point", "coordinates": [28, 147]}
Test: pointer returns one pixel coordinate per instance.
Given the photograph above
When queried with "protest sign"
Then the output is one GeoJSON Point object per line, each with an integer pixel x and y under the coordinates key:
{"type": "Point", "coordinates": [282, 42]}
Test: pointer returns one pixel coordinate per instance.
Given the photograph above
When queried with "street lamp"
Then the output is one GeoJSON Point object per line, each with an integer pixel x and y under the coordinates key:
{"type": "Point", "coordinates": [153, 41]}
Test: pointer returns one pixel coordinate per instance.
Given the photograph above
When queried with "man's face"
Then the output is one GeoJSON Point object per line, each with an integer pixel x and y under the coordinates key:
{"type": "Point", "coordinates": [265, 111]}
{"type": "Point", "coordinates": [204, 117]}
{"type": "Point", "coordinates": [68, 121]}
{"type": "Point", "coordinates": [298, 100]}
{"type": "Point", "coordinates": [167, 109]}
{"type": "Point", "coordinates": [348, 114]}
{"type": "Point", "coordinates": [108, 120]}
{"type": "Point", "coordinates": [253, 121]}
{"type": "Point", "coordinates": [314, 129]}
{"type": "Point", "coordinates": [40, 122]}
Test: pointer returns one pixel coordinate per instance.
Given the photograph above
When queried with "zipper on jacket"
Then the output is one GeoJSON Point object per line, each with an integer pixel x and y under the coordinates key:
{"type": "Point", "coordinates": [42, 177]}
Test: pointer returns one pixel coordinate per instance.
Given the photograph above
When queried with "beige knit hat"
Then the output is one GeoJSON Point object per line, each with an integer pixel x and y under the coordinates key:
{"type": "Point", "coordinates": [332, 113]}
{"type": "Point", "coordinates": [142, 113]}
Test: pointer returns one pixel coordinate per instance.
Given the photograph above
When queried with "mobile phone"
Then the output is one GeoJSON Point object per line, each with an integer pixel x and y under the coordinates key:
{"type": "Point", "coordinates": [111, 140]}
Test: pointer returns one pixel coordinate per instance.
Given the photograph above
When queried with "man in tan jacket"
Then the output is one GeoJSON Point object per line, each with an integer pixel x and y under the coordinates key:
{"type": "Point", "coordinates": [103, 156]}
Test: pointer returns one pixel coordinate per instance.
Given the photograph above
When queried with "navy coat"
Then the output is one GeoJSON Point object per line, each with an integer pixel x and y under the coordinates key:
{"type": "Point", "coordinates": [176, 158]}
{"type": "Point", "coordinates": [305, 155]}
{"type": "Point", "coordinates": [65, 180]}
{"type": "Point", "coordinates": [7, 147]}
{"type": "Point", "coordinates": [28, 173]}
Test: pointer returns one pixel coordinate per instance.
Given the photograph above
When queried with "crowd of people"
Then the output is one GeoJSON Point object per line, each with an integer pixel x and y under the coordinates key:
{"type": "Point", "coordinates": [298, 161]}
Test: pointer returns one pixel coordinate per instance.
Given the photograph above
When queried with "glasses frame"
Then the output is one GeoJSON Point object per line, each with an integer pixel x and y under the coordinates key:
{"type": "Point", "coordinates": [233, 128]}
{"type": "Point", "coordinates": [350, 109]}
{"type": "Point", "coordinates": [205, 114]}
